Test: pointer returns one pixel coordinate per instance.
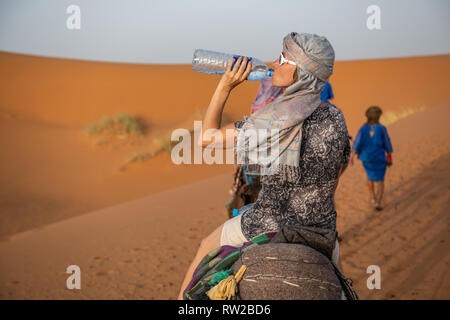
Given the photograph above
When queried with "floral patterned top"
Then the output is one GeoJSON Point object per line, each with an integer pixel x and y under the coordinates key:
{"type": "Point", "coordinates": [309, 201]}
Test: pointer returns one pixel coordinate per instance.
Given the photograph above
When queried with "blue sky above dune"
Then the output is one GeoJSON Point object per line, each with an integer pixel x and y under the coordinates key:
{"type": "Point", "coordinates": [168, 31]}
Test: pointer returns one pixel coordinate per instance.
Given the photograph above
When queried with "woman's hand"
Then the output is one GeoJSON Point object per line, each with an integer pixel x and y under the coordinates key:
{"type": "Point", "coordinates": [240, 72]}
{"type": "Point", "coordinates": [389, 160]}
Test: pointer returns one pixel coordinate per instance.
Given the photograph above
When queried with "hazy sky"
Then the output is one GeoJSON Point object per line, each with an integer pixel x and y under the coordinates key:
{"type": "Point", "coordinates": [168, 31]}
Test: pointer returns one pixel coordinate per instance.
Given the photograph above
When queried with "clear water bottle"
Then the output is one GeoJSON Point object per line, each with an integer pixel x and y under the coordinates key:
{"type": "Point", "coordinates": [216, 63]}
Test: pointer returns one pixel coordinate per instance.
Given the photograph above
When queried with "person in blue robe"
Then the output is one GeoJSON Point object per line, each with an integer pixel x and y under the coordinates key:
{"type": "Point", "coordinates": [373, 147]}
{"type": "Point", "coordinates": [327, 93]}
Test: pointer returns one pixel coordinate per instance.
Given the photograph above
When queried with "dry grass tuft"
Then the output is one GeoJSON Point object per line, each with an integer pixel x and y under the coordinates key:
{"type": "Point", "coordinates": [121, 126]}
{"type": "Point", "coordinates": [390, 117]}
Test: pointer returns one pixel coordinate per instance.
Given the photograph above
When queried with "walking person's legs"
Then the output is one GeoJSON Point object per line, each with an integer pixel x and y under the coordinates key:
{"type": "Point", "coordinates": [379, 190]}
{"type": "Point", "coordinates": [370, 184]}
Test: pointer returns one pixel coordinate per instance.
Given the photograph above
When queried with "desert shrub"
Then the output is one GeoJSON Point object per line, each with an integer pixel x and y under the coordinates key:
{"type": "Point", "coordinates": [121, 126]}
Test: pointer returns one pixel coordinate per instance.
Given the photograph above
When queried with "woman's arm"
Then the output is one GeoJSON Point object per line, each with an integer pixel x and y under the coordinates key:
{"type": "Point", "coordinates": [226, 134]}
{"type": "Point", "coordinates": [387, 142]}
{"type": "Point", "coordinates": [387, 147]}
{"type": "Point", "coordinates": [213, 116]}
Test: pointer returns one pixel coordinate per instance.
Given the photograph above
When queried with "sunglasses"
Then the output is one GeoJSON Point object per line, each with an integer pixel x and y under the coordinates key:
{"type": "Point", "coordinates": [282, 60]}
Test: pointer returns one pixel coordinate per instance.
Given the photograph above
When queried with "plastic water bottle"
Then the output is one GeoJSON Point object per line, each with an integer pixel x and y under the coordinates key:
{"type": "Point", "coordinates": [216, 63]}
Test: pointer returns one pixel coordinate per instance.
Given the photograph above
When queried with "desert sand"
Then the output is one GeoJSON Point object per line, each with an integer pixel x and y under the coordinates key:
{"type": "Point", "coordinates": [133, 228]}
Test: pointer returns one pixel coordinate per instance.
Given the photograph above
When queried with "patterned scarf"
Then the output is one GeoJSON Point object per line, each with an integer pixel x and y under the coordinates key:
{"type": "Point", "coordinates": [278, 125]}
{"type": "Point", "coordinates": [266, 94]}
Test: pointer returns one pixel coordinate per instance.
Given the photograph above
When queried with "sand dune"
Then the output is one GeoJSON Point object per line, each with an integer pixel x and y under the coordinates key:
{"type": "Point", "coordinates": [56, 182]}
{"type": "Point", "coordinates": [73, 92]}
{"type": "Point", "coordinates": [51, 171]}
{"type": "Point", "coordinates": [136, 250]}
{"type": "Point", "coordinates": [140, 249]}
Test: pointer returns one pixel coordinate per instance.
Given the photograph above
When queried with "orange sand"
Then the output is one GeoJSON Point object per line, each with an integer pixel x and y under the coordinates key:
{"type": "Point", "coordinates": [56, 183]}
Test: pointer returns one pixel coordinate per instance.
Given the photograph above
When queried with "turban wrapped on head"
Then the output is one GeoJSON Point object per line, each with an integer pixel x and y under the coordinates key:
{"type": "Point", "coordinates": [314, 57]}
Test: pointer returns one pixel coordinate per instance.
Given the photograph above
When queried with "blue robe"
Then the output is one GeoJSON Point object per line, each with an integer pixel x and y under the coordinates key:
{"type": "Point", "coordinates": [327, 93]}
{"type": "Point", "coordinates": [372, 142]}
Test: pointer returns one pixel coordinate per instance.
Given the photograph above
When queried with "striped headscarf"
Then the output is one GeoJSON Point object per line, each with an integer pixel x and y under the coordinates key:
{"type": "Point", "coordinates": [282, 119]}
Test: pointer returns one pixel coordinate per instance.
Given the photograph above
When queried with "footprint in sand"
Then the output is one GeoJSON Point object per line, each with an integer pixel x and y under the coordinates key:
{"type": "Point", "coordinates": [101, 258]}
{"type": "Point", "coordinates": [132, 260]}
{"type": "Point", "coordinates": [105, 272]}
{"type": "Point", "coordinates": [397, 268]}
{"type": "Point", "coordinates": [432, 196]}
{"type": "Point", "coordinates": [193, 237]}
{"type": "Point", "coordinates": [200, 222]}
{"type": "Point", "coordinates": [390, 295]}
{"type": "Point", "coordinates": [98, 261]}
{"type": "Point", "coordinates": [429, 204]}
{"type": "Point", "coordinates": [175, 248]}
{"type": "Point", "coordinates": [141, 249]}
{"type": "Point", "coordinates": [387, 256]}
{"type": "Point", "coordinates": [12, 283]}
